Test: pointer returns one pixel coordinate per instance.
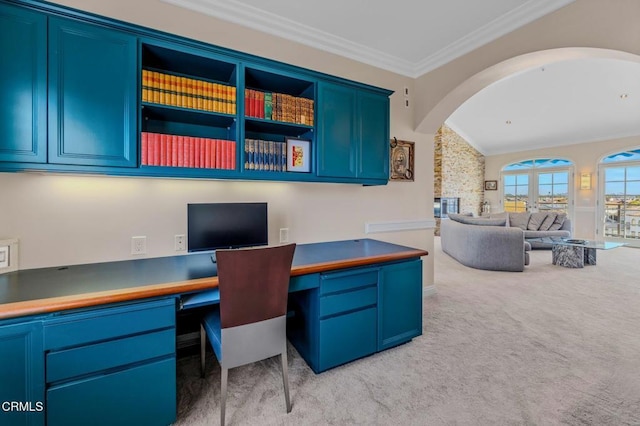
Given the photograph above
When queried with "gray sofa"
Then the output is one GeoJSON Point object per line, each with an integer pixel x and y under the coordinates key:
{"type": "Point", "coordinates": [485, 246]}
{"type": "Point", "coordinates": [500, 242]}
{"type": "Point", "coordinates": [538, 225]}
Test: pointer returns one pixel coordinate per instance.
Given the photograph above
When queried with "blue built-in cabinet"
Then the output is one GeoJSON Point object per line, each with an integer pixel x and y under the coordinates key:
{"type": "Point", "coordinates": [353, 132]}
{"type": "Point", "coordinates": [92, 95]}
{"type": "Point", "coordinates": [23, 85]}
{"type": "Point", "coordinates": [104, 366]}
{"type": "Point", "coordinates": [22, 374]}
{"type": "Point", "coordinates": [74, 100]}
{"type": "Point", "coordinates": [356, 312]}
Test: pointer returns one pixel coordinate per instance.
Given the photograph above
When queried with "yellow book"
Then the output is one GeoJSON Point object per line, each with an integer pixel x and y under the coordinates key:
{"type": "Point", "coordinates": [173, 93]}
{"type": "Point", "coordinates": [182, 92]}
{"type": "Point", "coordinates": [233, 100]}
{"type": "Point", "coordinates": [199, 100]}
{"type": "Point", "coordinates": [145, 86]}
{"type": "Point", "coordinates": [189, 91]}
{"type": "Point", "coordinates": [216, 97]}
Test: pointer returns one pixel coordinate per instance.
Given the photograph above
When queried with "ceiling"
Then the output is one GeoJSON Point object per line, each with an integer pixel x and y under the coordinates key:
{"type": "Point", "coordinates": [567, 102]}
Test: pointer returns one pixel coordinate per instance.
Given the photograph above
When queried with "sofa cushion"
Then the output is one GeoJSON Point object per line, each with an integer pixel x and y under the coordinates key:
{"type": "Point", "coordinates": [548, 221]}
{"type": "Point", "coordinates": [557, 223]}
{"type": "Point", "coordinates": [482, 221]}
{"type": "Point", "coordinates": [519, 220]}
{"type": "Point", "coordinates": [500, 215]}
{"type": "Point", "coordinates": [535, 220]}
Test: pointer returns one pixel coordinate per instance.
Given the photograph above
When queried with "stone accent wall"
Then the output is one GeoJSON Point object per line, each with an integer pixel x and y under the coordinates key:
{"type": "Point", "coordinates": [458, 172]}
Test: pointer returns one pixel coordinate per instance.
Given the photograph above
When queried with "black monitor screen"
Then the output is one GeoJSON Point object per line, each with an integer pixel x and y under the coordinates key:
{"type": "Point", "coordinates": [226, 225]}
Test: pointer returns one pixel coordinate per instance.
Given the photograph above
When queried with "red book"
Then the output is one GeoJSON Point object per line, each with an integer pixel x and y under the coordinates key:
{"type": "Point", "coordinates": [207, 153]}
{"type": "Point", "coordinates": [232, 155]}
{"type": "Point", "coordinates": [180, 151]}
{"type": "Point", "coordinates": [256, 104]}
{"type": "Point", "coordinates": [174, 151]}
{"type": "Point", "coordinates": [156, 149]}
{"type": "Point", "coordinates": [219, 148]}
{"type": "Point", "coordinates": [144, 148]}
{"type": "Point", "coordinates": [163, 150]}
{"type": "Point", "coordinates": [203, 143]}
{"type": "Point", "coordinates": [196, 152]}
{"type": "Point", "coordinates": [212, 154]}
{"type": "Point", "coordinates": [192, 143]}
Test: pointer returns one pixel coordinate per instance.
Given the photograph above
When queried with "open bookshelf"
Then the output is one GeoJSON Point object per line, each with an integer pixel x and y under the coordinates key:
{"type": "Point", "coordinates": [189, 110]}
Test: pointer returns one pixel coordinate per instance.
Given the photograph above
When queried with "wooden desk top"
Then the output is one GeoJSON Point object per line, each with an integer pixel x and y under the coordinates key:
{"type": "Point", "coordinates": [37, 291]}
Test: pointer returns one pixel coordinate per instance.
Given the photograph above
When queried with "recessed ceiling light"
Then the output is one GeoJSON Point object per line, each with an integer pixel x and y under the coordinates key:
{"type": "Point", "coordinates": [624, 96]}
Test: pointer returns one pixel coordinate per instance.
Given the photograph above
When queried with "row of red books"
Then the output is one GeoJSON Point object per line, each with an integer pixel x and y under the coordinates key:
{"type": "Point", "coordinates": [187, 151]}
{"type": "Point", "coordinates": [278, 107]}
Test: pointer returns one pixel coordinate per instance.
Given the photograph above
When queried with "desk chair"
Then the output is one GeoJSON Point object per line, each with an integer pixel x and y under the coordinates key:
{"type": "Point", "coordinates": [250, 323]}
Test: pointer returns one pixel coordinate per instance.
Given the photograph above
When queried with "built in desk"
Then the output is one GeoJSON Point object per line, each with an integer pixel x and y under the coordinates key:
{"type": "Point", "coordinates": [95, 344]}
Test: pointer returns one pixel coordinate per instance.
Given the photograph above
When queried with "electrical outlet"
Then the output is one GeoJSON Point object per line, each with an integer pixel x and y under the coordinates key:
{"type": "Point", "coordinates": [406, 103]}
{"type": "Point", "coordinates": [179, 243]}
{"type": "Point", "coordinates": [284, 235]}
{"type": "Point", "coordinates": [139, 245]}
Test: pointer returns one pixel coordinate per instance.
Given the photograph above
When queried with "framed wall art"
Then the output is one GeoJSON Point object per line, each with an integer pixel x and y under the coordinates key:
{"type": "Point", "coordinates": [490, 185]}
{"type": "Point", "coordinates": [401, 160]}
{"type": "Point", "coordinates": [298, 155]}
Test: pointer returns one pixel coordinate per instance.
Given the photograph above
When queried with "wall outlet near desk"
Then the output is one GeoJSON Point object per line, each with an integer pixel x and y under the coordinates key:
{"type": "Point", "coordinates": [139, 245]}
{"type": "Point", "coordinates": [8, 255]}
{"type": "Point", "coordinates": [179, 243]}
{"type": "Point", "coordinates": [284, 235]}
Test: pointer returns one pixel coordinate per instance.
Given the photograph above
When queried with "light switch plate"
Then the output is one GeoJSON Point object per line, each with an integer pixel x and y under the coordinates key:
{"type": "Point", "coordinates": [8, 255]}
{"type": "Point", "coordinates": [4, 256]}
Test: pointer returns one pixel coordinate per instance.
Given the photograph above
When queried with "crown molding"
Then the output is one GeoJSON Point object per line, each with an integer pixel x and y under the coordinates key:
{"type": "Point", "coordinates": [512, 20]}
{"type": "Point", "coordinates": [260, 20]}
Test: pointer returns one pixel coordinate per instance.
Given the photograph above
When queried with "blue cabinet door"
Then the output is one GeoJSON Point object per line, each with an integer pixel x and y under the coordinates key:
{"type": "Point", "coordinates": [399, 303]}
{"type": "Point", "coordinates": [336, 131]}
{"type": "Point", "coordinates": [92, 95]}
{"type": "Point", "coordinates": [22, 374]}
{"type": "Point", "coordinates": [373, 148]}
{"type": "Point", "coordinates": [23, 85]}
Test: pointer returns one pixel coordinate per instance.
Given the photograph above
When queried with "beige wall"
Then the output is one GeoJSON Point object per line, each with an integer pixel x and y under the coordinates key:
{"type": "Point", "coordinates": [585, 157]}
{"type": "Point", "coordinates": [78, 219]}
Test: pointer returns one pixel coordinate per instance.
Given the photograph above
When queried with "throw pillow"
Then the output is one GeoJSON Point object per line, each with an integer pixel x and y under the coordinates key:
{"type": "Point", "coordinates": [557, 223]}
{"type": "Point", "coordinates": [536, 220]}
{"type": "Point", "coordinates": [519, 220]}
{"type": "Point", "coordinates": [548, 221]}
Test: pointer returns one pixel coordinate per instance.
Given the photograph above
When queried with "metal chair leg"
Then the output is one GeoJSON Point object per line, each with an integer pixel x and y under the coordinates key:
{"type": "Point", "coordinates": [223, 393]}
{"type": "Point", "coordinates": [285, 379]}
{"type": "Point", "coordinates": [203, 347]}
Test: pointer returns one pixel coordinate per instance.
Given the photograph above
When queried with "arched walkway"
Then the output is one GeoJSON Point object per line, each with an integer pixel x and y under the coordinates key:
{"type": "Point", "coordinates": [432, 121]}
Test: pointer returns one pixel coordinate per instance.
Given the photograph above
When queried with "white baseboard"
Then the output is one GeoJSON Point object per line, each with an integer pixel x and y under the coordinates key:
{"type": "Point", "coordinates": [429, 290]}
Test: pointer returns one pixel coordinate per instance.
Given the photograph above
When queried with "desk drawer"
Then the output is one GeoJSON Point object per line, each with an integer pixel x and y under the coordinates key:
{"type": "Point", "coordinates": [108, 323]}
{"type": "Point", "coordinates": [343, 281]}
{"type": "Point", "coordinates": [347, 337]}
{"type": "Point", "coordinates": [143, 395]}
{"type": "Point", "coordinates": [351, 300]}
{"type": "Point", "coordinates": [83, 360]}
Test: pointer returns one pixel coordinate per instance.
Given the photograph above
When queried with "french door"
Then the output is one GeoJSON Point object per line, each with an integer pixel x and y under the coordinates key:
{"type": "Point", "coordinates": [619, 203]}
{"type": "Point", "coordinates": [537, 190]}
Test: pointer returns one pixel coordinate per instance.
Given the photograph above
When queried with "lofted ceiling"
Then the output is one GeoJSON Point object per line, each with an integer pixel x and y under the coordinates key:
{"type": "Point", "coordinates": [567, 102]}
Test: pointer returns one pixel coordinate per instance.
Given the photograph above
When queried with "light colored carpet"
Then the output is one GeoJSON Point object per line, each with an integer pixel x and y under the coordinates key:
{"type": "Point", "coordinates": [548, 346]}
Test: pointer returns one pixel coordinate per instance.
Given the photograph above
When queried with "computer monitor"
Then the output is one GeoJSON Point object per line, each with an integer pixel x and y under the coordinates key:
{"type": "Point", "coordinates": [212, 226]}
